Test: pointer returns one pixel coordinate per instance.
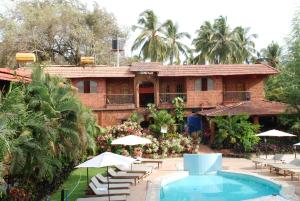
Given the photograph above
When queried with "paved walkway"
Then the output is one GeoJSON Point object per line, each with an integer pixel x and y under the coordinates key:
{"type": "Point", "coordinates": [138, 193]}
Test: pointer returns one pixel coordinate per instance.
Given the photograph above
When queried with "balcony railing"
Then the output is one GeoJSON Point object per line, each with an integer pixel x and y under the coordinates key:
{"type": "Point", "coordinates": [236, 96]}
{"type": "Point", "coordinates": [168, 97]}
{"type": "Point", "coordinates": [119, 99]}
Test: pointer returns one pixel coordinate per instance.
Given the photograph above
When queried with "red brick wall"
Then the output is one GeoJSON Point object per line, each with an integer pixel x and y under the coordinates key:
{"type": "Point", "coordinates": [117, 85]}
{"type": "Point", "coordinates": [171, 82]}
{"type": "Point", "coordinates": [204, 98]}
{"type": "Point", "coordinates": [256, 86]}
{"type": "Point", "coordinates": [110, 117]}
{"type": "Point", "coordinates": [93, 100]}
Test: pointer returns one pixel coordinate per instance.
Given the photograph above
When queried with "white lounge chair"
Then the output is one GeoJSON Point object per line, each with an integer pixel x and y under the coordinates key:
{"type": "Point", "coordinates": [112, 198]}
{"type": "Point", "coordinates": [103, 179]}
{"type": "Point", "coordinates": [294, 164]}
{"type": "Point", "coordinates": [125, 175]}
{"type": "Point", "coordinates": [277, 158]}
{"type": "Point", "coordinates": [104, 191]}
{"type": "Point", "coordinates": [135, 169]}
{"type": "Point", "coordinates": [111, 186]}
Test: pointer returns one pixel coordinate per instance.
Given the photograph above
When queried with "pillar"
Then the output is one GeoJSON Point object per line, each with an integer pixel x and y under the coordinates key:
{"type": "Point", "coordinates": [212, 127]}
{"type": "Point", "coordinates": [256, 120]}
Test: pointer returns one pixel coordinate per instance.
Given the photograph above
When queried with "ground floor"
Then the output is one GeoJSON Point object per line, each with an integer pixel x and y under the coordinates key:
{"type": "Point", "coordinates": [172, 165]}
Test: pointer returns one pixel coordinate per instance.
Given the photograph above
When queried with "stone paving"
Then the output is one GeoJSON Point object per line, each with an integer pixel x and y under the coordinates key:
{"type": "Point", "coordinates": [171, 165]}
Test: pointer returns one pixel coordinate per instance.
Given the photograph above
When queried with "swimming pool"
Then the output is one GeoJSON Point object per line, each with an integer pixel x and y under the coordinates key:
{"type": "Point", "coordinates": [221, 186]}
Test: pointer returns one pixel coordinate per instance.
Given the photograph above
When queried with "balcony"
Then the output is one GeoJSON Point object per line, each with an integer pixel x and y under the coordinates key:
{"type": "Point", "coordinates": [236, 96]}
{"type": "Point", "coordinates": [119, 99]}
{"type": "Point", "coordinates": [168, 97]}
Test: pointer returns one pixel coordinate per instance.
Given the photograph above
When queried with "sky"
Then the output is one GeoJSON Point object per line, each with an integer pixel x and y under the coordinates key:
{"type": "Point", "coordinates": [269, 19]}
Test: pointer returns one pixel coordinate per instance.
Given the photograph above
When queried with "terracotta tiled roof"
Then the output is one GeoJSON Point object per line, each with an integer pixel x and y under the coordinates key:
{"type": "Point", "coordinates": [148, 67]}
{"type": "Point", "coordinates": [220, 69]}
{"type": "Point", "coordinates": [262, 107]}
{"type": "Point", "coordinates": [81, 72]}
{"type": "Point", "coordinates": [13, 75]}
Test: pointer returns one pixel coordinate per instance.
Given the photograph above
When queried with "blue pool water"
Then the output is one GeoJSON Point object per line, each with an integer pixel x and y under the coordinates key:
{"type": "Point", "coordinates": [218, 187]}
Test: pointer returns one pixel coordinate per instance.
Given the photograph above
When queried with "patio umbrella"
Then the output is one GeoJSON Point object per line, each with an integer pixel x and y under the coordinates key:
{"type": "Point", "coordinates": [105, 159]}
{"type": "Point", "coordinates": [131, 140]}
{"type": "Point", "coordinates": [274, 133]}
{"type": "Point", "coordinates": [295, 146]}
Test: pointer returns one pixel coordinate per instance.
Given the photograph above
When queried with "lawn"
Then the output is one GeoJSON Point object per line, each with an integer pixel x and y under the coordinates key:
{"type": "Point", "coordinates": [77, 183]}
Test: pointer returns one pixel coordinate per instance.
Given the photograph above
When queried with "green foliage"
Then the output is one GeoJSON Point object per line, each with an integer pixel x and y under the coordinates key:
{"type": "Point", "coordinates": [236, 132]}
{"type": "Point", "coordinates": [135, 117]}
{"type": "Point", "coordinates": [159, 42]}
{"type": "Point", "coordinates": [46, 129]}
{"type": "Point", "coordinates": [58, 31]}
{"type": "Point", "coordinates": [218, 43]}
{"type": "Point", "coordinates": [178, 104]}
{"type": "Point", "coordinates": [161, 119]}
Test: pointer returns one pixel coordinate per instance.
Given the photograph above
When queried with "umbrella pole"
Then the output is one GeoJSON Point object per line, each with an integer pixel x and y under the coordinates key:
{"type": "Point", "coordinates": [107, 183]}
{"type": "Point", "coordinates": [87, 176]}
{"type": "Point", "coordinates": [266, 148]}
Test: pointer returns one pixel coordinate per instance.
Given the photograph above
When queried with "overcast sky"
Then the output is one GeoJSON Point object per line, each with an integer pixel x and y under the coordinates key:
{"type": "Point", "coordinates": [270, 19]}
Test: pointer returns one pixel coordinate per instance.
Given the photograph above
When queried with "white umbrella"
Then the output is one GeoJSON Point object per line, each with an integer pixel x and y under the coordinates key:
{"type": "Point", "coordinates": [106, 159]}
{"type": "Point", "coordinates": [131, 140]}
{"type": "Point", "coordinates": [295, 147]}
{"type": "Point", "coordinates": [274, 133]}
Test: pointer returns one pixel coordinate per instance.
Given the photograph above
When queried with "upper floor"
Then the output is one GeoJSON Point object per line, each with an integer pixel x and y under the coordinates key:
{"type": "Point", "coordinates": [200, 86]}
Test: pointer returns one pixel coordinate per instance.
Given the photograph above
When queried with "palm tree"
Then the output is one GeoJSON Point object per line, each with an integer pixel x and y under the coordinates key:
{"type": "Point", "coordinates": [216, 43]}
{"type": "Point", "coordinates": [245, 44]}
{"type": "Point", "coordinates": [149, 42]}
{"type": "Point", "coordinates": [173, 39]}
{"type": "Point", "coordinates": [272, 53]}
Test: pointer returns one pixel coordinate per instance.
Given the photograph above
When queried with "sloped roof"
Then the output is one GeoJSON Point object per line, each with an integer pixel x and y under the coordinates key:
{"type": "Point", "coordinates": [13, 75]}
{"type": "Point", "coordinates": [262, 107]}
{"type": "Point", "coordinates": [83, 72]}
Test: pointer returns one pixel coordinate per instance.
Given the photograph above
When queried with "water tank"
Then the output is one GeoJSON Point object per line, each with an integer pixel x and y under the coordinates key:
{"type": "Point", "coordinates": [87, 60]}
{"type": "Point", "coordinates": [116, 42]}
{"type": "Point", "coordinates": [25, 57]}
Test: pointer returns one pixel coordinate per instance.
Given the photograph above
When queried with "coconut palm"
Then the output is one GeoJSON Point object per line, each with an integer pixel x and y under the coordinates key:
{"type": "Point", "coordinates": [173, 41]}
{"type": "Point", "coordinates": [272, 53]}
{"type": "Point", "coordinates": [216, 43]}
{"type": "Point", "coordinates": [149, 42]}
{"type": "Point", "coordinates": [245, 43]}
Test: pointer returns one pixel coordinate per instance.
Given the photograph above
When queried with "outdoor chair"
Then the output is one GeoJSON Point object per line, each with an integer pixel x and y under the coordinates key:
{"type": "Point", "coordinates": [285, 167]}
{"type": "Point", "coordinates": [112, 198]}
{"type": "Point", "coordinates": [277, 158]}
{"type": "Point", "coordinates": [135, 169]}
{"type": "Point", "coordinates": [104, 191]}
{"type": "Point", "coordinates": [125, 175]}
{"type": "Point", "coordinates": [103, 179]}
{"type": "Point", "coordinates": [146, 160]}
{"type": "Point", "coordinates": [111, 186]}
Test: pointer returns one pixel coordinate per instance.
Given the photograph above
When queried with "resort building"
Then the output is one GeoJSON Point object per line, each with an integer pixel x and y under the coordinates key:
{"type": "Point", "coordinates": [113, 93]}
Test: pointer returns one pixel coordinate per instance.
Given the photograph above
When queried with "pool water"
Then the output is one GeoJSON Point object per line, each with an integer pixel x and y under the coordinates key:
{"type": "Point", "coordinates": [218, 187]}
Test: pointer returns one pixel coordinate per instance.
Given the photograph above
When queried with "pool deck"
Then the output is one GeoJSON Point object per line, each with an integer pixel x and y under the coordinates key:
{"type": "Point", "coordinates": [171, 165]}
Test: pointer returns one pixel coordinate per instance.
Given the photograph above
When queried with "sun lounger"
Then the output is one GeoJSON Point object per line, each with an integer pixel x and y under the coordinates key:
{"type": "Point", "coordinates": [294, 164]}
{"type": "Point", "coordinates": [104, 191]}
{"type": "Point", "coordinates": [111, 186]}
{"type": "Point", "coordinates": [146, 160]}
{"type": "Point", "coordinates": [125, 175]}
{"type": "Point", "coordinates": [112, 198]}
{"type": "Point", "coordinates": [103, 179]}
{"type": "Point", "coordinates": [135, 169]}
{"type": "Point", "coordinates": [293, 172]}
{"type": "Point", "coordinates": [277, 158]}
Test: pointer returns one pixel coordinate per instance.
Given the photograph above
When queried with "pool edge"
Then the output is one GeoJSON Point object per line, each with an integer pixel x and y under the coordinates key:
{"type": "Point", "coordinates": [153, 190]}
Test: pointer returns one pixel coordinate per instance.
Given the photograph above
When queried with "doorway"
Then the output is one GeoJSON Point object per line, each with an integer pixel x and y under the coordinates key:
{"type": "Point", "coordinates": [146, 93]}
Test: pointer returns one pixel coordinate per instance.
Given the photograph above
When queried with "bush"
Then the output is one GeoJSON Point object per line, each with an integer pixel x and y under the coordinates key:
{"type": "Point", "coordinates": [236, 132]}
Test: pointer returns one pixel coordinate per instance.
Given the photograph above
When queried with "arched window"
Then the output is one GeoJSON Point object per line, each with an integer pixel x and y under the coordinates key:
{"type": "Point", "coordinates": [204, 84]}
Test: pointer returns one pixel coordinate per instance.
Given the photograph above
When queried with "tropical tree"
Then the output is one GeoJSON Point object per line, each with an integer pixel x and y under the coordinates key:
{"type": "Point", "coordinates": [216, 43]}
{"type": "Point", "coordinates": [272, 54]}
{"type": "Point", "coordinates": [150, 42]}
{"type": "Point", "coordinates": [57, 31]}
{"type": "Point", "coordinates": [174, 45]}
{"type": "Point", "coordinates": [48, 130]}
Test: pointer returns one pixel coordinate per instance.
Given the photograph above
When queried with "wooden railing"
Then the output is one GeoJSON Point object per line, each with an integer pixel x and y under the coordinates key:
{"type": "Point", "coordinates": [236, 96]}
{"type": "Point", "coordinates": [168, 97]}
{"type": "Point", "coordinates": [119, 99]}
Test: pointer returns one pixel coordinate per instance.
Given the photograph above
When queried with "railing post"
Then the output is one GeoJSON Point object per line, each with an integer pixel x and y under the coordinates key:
{"type": "Point", "coordinates": [62, 195]}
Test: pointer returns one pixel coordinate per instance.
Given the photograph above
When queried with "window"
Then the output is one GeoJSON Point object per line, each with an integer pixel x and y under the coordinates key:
{"type": "Point", "coordinates": [87, 86]}
{"type": "Point", "coordinates": [204, 84]}
{"type": "Point", "coordinates": [179, 88]}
